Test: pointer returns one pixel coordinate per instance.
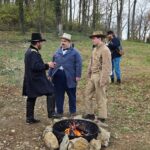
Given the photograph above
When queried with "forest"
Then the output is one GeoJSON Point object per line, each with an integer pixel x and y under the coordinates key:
{"type": "Point", "coordinates": [130, 17]}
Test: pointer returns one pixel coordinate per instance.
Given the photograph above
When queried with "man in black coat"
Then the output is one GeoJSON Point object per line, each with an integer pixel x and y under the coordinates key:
{"type": "Point", "coordinates": [35, 80]}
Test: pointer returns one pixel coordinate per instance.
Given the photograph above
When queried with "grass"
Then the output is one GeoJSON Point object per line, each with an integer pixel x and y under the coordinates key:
{"type": "Point", "coordinates": [128, 104]}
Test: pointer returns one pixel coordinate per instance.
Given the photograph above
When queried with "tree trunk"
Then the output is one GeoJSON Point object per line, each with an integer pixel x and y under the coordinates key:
{"type": "Point", "coordinates": [83, 14]}
{"type": "Point", "coordinates": [120, 4]}
{"type": "Point", "coordinates": [88, 11]}
{"type": "Point", "coordinates": [110, 15]}
{"type": "Point", "coordinates": [64, 9]}
{"type": "Point", "coordinates": [94, 14]}
{"type": "Point", "coordinates": [58, 12]}
{"type": "Point", "coordinates": [21, 16]}
{"type": "Point", "coordinates": [27, 2]}
{"type": "Point", "coordinates": [6, 1]}
{"type": "Point", "coordinates": [133, 20]}
{"type": "Point", "coordinates": [128, 34]}
{"type": "Point", "coordinates": [70, 18]}
{"type": "Point", "coordinates": [80, 9]}
{"type": "Point", "coordinates": [39, 16]}
{"type": "Point", "coordinates": [140, 26]}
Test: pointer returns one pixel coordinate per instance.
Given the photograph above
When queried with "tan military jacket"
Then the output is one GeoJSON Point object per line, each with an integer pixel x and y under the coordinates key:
{"type": "Point", "coordinates": [101, 63]}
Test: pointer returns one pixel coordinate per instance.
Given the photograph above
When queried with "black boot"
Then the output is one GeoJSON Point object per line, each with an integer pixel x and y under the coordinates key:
{"type": "Point", "coordinates": [51, 106]}
{"type": "Point", "coordinates": [89, 116]}
{"type": "Point", "coordinates": [112, 80]}
{"type": "Point", "coordinates": [30, 111]}
{"type": "Point", "coordinates": [101, 119]}
{"type": "Point", "coordinates": [119, 81]}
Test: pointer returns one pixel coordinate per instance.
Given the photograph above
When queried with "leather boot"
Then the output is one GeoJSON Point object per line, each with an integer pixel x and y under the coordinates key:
{"type": "Point", "coordinates": [30, 111]}
{"type": "Point", "coordinates": [51, 105]}
{"type": "Point", "coordinates": [119, 81]}
{"type": "Point", "coordinates": [112, 80]}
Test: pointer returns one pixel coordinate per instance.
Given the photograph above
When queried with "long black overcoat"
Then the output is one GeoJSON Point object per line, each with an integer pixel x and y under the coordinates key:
{"type": "Point", "coordinates": [35, 81]}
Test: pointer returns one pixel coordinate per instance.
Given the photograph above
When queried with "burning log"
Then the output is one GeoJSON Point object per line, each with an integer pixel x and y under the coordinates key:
{"type": "Point", "coordinates": [75, 129]}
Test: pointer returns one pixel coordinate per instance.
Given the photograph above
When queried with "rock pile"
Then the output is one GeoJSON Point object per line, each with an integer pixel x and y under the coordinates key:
{"type": "Point", "coordinates": [80, 143]}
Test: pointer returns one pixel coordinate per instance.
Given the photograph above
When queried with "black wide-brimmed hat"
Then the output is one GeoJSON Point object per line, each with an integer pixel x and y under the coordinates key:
{"type": "Point", "coordinates": [97, 34]}
{"type": "Point", "coordinates": [36, 37]}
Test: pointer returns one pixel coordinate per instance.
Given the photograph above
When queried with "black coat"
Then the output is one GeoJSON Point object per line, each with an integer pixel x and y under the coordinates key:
{"type": "Point", "coordinates": [35, 81]}
{"type": "Point", "coordinates": [114, 46]}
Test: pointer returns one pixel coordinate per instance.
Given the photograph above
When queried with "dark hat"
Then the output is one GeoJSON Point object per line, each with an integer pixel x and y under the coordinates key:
{"type": "Point", "coordinates": [97, 34]}
{"type": "Point", "coordinates": [110, 32]}
{"type": "Point", "coordinates": [36, 37]}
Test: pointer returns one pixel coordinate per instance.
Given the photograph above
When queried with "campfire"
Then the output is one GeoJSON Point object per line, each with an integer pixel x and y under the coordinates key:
{"type": "Point", "coordinates": [69, 134]}
{"type": "Point", "coordinates": [75, 129]}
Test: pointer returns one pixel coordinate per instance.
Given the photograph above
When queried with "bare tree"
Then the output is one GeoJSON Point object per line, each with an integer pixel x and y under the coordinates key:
{"type": "Point", "coordinates": [58, 12]}
{"type": "Point", "coordinates": [146, 24]}
{"type": "Point", "coordinates": [21, 15]}
{"type": "Point", "coordinates": [120, 4]}
{"type": "Point", "coordinates": [108, 14]}
{"type": "Point", "coordinates": [94, 14]}
{"type": "Point", "coordinates": [133, 19]}
{"type": "Point", "coordinates": [80, 10]}
{"type": "Point", "coordinates": [64, 9]}
{"type": "Point", "coordinates": [70, 18]}
{"type": "Point", "coordinates": [6, 1]}
{"type": "Point", "coordinates": [129, 10]}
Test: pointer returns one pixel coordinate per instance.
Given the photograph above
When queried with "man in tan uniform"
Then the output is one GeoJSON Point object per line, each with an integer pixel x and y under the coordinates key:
{"type": "Point", "coordinates": [99, 71]}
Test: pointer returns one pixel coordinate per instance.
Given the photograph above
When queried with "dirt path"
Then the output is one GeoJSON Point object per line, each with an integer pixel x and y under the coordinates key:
{"type": "Point", "coordinates": [128, 130]}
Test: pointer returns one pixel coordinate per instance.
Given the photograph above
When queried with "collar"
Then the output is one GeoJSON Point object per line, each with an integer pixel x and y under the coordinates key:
{"type": "Point", "coordinates": [99, 45]}
{"type": "Point", "coordinates": [32, 47]}
{"type": "Point", "coordinates": [65, 49]}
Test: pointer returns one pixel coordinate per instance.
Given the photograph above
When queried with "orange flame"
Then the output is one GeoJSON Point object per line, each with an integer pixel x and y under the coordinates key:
{"type": "Point", "coordinates": [75, 131]}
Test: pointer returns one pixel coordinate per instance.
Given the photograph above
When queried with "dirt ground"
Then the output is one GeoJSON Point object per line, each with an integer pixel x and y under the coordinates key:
{"type": "Point", "coordinates": [128, 104]}
{"type": "Point", "coordinates": [127, 132]}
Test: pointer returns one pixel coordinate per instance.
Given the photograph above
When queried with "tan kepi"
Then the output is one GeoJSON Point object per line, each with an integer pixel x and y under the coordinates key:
{"type": "Point", "coordinates": [97, 34]}
{"type": "Point", "coordinates": [66, 36]}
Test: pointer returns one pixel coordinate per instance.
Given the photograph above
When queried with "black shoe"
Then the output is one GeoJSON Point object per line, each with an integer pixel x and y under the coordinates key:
{"type": "Point", "coordinates": [55, 115]}
{"type": "Point", "coordinates": [101, 119]}
{"type": "Point", "coordinates": [72, 115]}
{"type": "Point", "coordinates": [112, 80]}
{"type": "Point", "coordinates": [89, 116]}
{"type": "Point", "coordinates": [118, 81]}
{"type": "Point", "coordinates": [31, 121]}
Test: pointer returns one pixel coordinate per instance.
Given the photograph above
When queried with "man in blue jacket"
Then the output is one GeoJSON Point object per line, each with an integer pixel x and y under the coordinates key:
{"type": "Point", "coordinates": [115, 46]}
{"type": "Point", "coordinates": [66, 74]}
{"type": "Point", "coordinates": [35, 81]}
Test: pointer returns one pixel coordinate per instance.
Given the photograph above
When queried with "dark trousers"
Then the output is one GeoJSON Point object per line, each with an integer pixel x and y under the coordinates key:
{"type": "Point", "coordinates": [31, 103]}
{"type": "Point", "coordinates": [50, 104]}
{"type": "Point", "coordinates": [30, 108]}
{"type": "Point", "coordinates": [60, 87]}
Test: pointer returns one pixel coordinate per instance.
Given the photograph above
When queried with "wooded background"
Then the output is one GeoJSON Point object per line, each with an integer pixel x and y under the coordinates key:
{"type": "Point", "coordinates": [132, 16]}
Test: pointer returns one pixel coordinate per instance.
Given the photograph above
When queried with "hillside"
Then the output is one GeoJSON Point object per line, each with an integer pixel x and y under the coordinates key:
{"type": "Point", "coordinates": [128, 103]}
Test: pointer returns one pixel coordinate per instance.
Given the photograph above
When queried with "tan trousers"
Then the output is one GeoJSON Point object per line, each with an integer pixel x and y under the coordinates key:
{"type": "Point", "coordinates": [93, 87]}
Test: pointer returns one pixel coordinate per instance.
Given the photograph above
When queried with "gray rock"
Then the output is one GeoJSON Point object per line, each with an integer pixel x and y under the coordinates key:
{"type": "Point", "coordinates": [95, 144]}
{"type": "Point", "coordinates": [78, 144]}
{"type": "Point", "coordinates": [51, 141]}
{"type": "Point", "coordinates": [104, 136]}
{"type": "Point", "coordinates": [65, 142]}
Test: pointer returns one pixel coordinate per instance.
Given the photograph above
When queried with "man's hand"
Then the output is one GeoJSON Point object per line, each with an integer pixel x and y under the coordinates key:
{"type": "Point", "coordinates": [51, 64]}
{"type": "Point", "coordinates": [49, 78]}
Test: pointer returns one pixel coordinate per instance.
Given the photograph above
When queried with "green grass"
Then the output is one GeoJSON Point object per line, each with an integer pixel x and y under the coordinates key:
{"type": "Point", "coordinates": [128, 104]}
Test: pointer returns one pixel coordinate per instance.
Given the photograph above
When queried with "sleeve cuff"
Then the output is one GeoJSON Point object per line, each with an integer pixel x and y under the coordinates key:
{"type": "Point", "coordinates": [46, 66]}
